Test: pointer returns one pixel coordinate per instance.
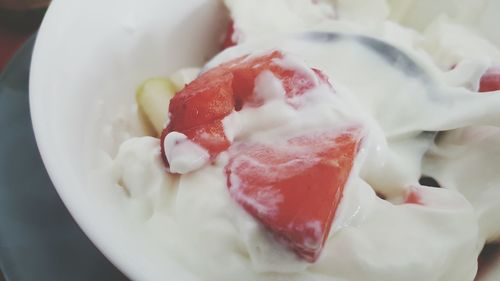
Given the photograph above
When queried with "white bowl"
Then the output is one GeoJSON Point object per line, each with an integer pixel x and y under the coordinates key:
{"type": "Point", "coordinates": [89, 58]}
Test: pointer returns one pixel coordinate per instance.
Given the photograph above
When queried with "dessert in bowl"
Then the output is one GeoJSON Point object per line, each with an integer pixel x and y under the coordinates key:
{"type": "Point", "coordinates": [293, 154]}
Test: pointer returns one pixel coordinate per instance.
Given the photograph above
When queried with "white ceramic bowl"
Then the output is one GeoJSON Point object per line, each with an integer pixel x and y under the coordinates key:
{"type": "Point", "coordinates": [89, 58]}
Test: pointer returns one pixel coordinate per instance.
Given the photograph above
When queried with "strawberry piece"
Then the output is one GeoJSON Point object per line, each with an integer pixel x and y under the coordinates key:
{"type": "Point", "coordinates": [294, 188]}
{"type": "Point", "coordinates": [413, 198]}
{"type": "Point", "coordinates": [205, 100]}
{"type": "Point", "coordinates": [490, 81]}
{"type": "Point", "coordinates": [198, 109]}
{"type": "Point", "coordinates": [228, 39]}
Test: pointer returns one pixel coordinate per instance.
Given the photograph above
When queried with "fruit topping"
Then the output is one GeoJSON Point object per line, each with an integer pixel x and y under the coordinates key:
{"type": "Point", "coordinates": [198, 109]}
{"type": "Point", "coordinates": [294, 188]}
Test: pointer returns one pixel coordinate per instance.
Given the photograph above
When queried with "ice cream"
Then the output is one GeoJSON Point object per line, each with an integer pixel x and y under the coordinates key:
{"type": "Point", "coordinates": [385, 225]}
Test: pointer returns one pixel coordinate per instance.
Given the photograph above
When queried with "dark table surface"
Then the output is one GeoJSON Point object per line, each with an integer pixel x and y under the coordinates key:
{"type": "Point", "coordinates": [39, 240]}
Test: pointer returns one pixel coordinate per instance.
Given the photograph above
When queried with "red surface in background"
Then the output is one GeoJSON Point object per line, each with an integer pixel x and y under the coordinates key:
{"type": "Point", "coordinates": [10, 41]}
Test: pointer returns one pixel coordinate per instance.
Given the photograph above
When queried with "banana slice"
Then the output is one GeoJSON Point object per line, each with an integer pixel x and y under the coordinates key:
{"type": "Point", "coordinates": [153, 97]}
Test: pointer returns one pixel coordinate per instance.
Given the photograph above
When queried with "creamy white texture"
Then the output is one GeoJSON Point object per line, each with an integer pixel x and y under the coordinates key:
{"type": "Point", "coordinates": [468, 160]}
{"type": "Point", "coordinates": [197, 220]}
{"type": "Point", "coordinates": [183, 155]}
{"type": "Point", "coordinates": [406, 242]}
{"type": "Point", "coordinates": [480, 16]}
{"type": "Point", "coordinates": [139, 171]}
{"type": "Point", "coordinates": [371, 238]}
{"type": "Point", "coordinates": [294, 15]}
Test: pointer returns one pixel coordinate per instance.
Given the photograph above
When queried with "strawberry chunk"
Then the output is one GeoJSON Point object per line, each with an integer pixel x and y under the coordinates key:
{"type": "Point", "coordinates": [294, 188]}
{"type": "Point", "coordinates": [197, 110]}
{"type": "Point", "coordinates": [490, 81]}
{"type": "Point", "coordinates": [413, 198]}
{"type": "Point", "coordinates": [205, 100]}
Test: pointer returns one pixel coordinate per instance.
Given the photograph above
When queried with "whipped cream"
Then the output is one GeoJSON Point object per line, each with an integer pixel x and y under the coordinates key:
{"type": "Point", "coordinates": [467, 160]}
{"type": "Point", "coordinates": [193, 217]}
{"type": "Point", "coordinates": [184, 155]}
{"type": "Point", "coordinates": [295, 15]}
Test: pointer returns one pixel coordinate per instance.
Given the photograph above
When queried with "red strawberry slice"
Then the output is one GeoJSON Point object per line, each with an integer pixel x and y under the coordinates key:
{"type": "Point", "coordinates": [294, 188]}
{"type": "Point", "coordinates": [490, 81]}
{"type": "Point", "coordinates": [208, 98]}
{"type": "Point", "coordinates": [198, 109]}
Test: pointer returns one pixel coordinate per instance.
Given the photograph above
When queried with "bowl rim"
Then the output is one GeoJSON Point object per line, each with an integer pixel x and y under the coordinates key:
{"type": "Point", "coordinates": [37, 121]}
